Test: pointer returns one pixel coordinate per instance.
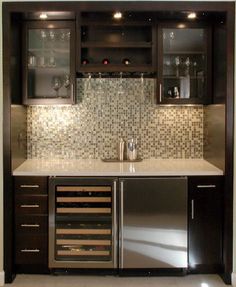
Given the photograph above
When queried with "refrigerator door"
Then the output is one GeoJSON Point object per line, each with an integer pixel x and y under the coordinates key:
{"type": "Point", "coordinates": [153, 223]}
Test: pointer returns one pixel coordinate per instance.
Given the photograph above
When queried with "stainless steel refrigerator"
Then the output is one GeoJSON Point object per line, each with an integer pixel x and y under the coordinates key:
{"type": "Point", "coordinates": [153, 223]}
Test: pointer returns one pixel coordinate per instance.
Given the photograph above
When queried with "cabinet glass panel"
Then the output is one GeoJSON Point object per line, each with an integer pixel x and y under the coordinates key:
{"type": "Point", "coordinates": [184, 63]}
{"type": "Point", "coordinates": [49, 63]}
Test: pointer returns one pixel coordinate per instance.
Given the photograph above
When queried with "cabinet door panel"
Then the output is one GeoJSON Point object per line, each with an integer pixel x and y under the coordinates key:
{"type": "Point", "coordinates": [183, 63]}
{"type": "Point", "coordinates": [49, 62]}
{"type": "Point", "coordinates": [205, 223]}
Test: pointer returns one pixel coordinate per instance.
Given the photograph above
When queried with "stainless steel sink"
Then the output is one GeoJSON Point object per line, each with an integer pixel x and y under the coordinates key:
{"type": "Point", "coordinates": [117, 160]}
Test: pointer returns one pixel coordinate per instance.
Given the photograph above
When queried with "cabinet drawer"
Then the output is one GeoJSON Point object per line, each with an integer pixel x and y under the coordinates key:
{"type": "Point", "coordinates": [31, 249]}
{"type": "Point", "coordinates": [205, 183]}
{"type": "Point", "coordinates": [31, 224]}
{"type": "Point", "coordinates": [31, 184]}
{"type": "Point", "coordinates": [31, 204]}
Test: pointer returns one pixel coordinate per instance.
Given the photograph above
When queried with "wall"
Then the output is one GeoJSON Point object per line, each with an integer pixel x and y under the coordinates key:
{"type": "Point", "coordinates": [108, 109]}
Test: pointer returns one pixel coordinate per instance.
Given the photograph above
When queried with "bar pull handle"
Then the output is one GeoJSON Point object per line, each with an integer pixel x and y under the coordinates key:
{"type": "Point", "coordinates": [121, 223]}
{"type": "Point", "coordinates": [72, 91]}
{"type": "Point", "coordinates": [29, 206]}
{"type": "Point", "coordinates": [192, 208]}
{"type": "Point", "coordinates": [29, 185]}
{"type": "Point", "coordinates": [114, 225]}
{"type": "Point", "coordinates": [36, 250]}
{"type": "Point", "coordinates": [207, 186]}
{"type": "Point", "coordinates": [30, 225]}
{"type": "Point", "coordinates": [160, 93]}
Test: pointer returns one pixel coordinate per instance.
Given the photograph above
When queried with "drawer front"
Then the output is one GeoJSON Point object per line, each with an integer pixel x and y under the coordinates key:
{"type": "Point", "coordinates": [35, 204]}
{"type": "Point", "coordinates": [31, 248]}
{"type": "Point", "coordinates": [30, 185]}
{"type": "Point", "coordinates": [205, 183]}
{"type": "Point", "coordinates": [31, 224]}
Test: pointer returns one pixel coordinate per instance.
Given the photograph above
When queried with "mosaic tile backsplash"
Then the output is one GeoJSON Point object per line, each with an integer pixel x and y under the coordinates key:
{"type": "Point", "coordinates": [108, 109]}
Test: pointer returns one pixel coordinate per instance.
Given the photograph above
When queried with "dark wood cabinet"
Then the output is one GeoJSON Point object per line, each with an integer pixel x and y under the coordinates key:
{"type": "Point", "coordinates": [205, 223]}
{"type": "Point", "coordinates": [184, 63]}
{"type": "Point", "coordinates": [31, 224]}
{"type": "Point", "coordinates": [109, 45]}
{"type": "Point", "coordinates": [48, 62]}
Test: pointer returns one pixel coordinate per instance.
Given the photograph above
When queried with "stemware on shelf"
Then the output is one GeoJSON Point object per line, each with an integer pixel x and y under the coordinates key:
{"type": "Point", "coordinates": [56, 84]}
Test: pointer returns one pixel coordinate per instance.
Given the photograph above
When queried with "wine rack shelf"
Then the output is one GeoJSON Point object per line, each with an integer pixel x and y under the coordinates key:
{"type": "Point", "coordinates": [83, 223]}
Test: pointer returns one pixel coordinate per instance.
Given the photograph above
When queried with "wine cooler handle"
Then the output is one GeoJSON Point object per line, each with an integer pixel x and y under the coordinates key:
{"type": "Point", "coordinates": [192, 209]}
{"type": "Point", "coordinates": [121, 222]}
{"type": "Point", "coordinates": [114, 225]}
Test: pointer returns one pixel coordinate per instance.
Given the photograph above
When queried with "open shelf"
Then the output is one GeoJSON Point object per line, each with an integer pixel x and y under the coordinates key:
{"type": "Point", "coordinates": [93, 44]}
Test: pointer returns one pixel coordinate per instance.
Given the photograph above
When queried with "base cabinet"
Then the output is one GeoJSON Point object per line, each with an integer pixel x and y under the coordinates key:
{"type": "Point", "coordinates": [159, 225]}
{"type": "Point", "coordinates": [31, 224]}
{"type": "Point", "coordinates": [205, 224]}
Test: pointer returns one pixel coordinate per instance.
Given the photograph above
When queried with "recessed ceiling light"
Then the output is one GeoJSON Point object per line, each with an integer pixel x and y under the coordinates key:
{"type": "Point", "coordinates": [192, 15]}
{"type": "Point", "coordinates": [43, 16]}
{"type": "Point", "coordinates": [117, 15]}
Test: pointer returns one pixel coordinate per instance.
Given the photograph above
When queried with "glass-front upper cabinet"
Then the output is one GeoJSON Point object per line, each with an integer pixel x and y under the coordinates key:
{"type": "Point", "coordinates": [49, 62]}
{"type": "Point", "coordinates": [183, 64]}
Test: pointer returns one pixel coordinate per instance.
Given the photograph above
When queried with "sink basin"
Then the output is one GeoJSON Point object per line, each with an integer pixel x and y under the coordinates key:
{"type": "Point", "coordinates": [117, 160]}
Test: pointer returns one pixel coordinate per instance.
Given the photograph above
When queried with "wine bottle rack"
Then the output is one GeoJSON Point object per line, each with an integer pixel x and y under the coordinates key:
{"type": "Point", "coordinates": [83, 223]}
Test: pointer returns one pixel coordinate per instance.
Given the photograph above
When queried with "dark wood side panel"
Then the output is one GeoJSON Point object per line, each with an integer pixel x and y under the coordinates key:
{"type": "Point", "coordinates": [7, 180]}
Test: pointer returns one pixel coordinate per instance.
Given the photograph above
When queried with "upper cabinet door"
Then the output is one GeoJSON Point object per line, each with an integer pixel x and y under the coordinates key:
{"type": "Point", "coordinates": [183, 62]}
{"type": "Point", "coordinates": [49, 62]}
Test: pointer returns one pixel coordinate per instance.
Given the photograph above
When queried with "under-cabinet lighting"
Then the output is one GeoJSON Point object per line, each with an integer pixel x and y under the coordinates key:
{"type": "Point", "coordinates": [117, 15]}
{"type": "Point", "coordinates": [43, 16]}
{"type": "Point", "coordinates": [181, 26]}
{"type": "Point", "coordinates": [192, 15]}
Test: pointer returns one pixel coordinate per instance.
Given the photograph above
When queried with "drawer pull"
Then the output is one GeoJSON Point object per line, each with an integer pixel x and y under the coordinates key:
{"type": "Point", "coordinates": [29, 185]}
{"type": "Point", "coordinates": [207, 186]}
{"type": "Point", "coordinates": [30, 225]}
{"type": "Point", "coordinates": [36, 250]}
{"type": "Point", "coordinates": [29, 206]}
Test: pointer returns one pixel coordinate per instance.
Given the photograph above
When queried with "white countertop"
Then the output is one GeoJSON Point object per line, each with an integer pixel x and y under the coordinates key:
{"type": "Point", "coordinates": [95, 167]}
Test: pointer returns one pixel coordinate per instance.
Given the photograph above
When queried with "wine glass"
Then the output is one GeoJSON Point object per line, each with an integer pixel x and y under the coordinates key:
{"type": "Point", "coordinates": [66, 81]}
{"type": "Point", "coordinates": [177, 63]}
{"type": "Point", "coordinates": [56, 84]}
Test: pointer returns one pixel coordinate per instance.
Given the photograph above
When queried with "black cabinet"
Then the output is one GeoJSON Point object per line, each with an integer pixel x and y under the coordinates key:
{"type": "Point", "coordinates": [49, 62]}
{"type": "Point", "coordinates": [110, 44]}
{"type": "Point", "coordinates": [205, 223]}
{"type": "Point", "coordinates": [31, 224]}
{"type": "Point", "coordinates": [184, 63]}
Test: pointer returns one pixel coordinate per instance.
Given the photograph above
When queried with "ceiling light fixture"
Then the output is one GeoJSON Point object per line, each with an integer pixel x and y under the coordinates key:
{"type": "Point", "coordinates": [192, 15]}
{"type": "Point", "coordinates": [117, 15]}
{"type": "Point", "coordinates": [43, 16]}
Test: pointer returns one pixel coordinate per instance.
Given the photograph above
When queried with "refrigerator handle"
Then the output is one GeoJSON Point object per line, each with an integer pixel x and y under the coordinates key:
{"type": "Point", "coordinates": [114, 225]}
{"type": "Point", "coordinates": [121, 223]}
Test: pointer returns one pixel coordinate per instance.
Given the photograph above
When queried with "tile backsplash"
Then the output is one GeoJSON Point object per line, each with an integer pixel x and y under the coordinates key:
{"type": "Point", "coordinates": [108, 109]}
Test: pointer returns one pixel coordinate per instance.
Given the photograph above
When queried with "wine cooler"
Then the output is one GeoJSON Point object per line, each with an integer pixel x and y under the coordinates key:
{"type": "Point", "coordinates": [82, 222]}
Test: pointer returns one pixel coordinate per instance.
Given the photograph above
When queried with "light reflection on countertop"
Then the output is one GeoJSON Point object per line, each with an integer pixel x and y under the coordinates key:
{"type": "Point", "coordinates": [95, 167]}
